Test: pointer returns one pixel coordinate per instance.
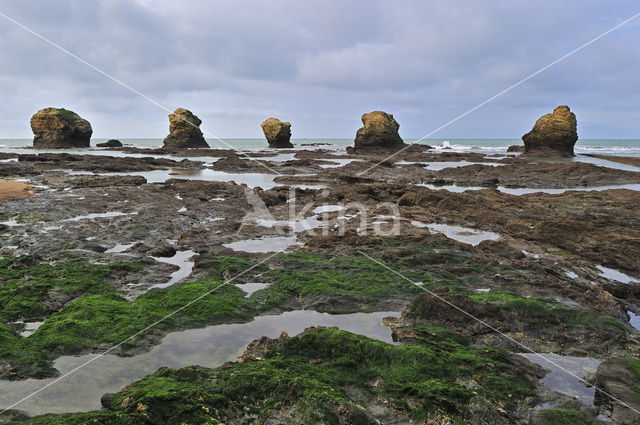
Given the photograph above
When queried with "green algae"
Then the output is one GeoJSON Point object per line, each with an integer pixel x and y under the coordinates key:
{"type": "Point", "coordinates": [26, 284]}
{"type": "Point", "coordinates": [309, 277]}
{"type": "Point", "coordinates": [564, 417]}
{"type": "Point", "coordinates": [313, 376]}
{"type": "Point", "coordinates": [96, 316]}
{"type": "Point", "coordinates": [542, 313]}
{"type": "Point", "coordinates": [107, 320]}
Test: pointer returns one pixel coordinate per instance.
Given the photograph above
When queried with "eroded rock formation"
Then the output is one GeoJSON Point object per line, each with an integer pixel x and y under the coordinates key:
{"type": "Point", "coordinates": [553, 134]}
{"type": "Point", "coordinates": [184, 131]}
{"type": "Point", "coordinates": [278, 133]}
{"type": "Point", "coordinates": [58, 128]}
{"type": "Point", "coordinates": [380, 130]}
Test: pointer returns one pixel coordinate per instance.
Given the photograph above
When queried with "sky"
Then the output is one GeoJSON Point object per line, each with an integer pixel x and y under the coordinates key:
{"type": "Point", "coordinates": [321, 65]}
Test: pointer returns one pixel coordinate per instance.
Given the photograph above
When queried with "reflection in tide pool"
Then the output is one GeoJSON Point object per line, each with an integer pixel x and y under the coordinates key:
{"type": "Point", "coordinates": [519, 191]}
{"type": "Point", "coordinates": [119, 248]}
{"type": "Point", "coordinates": [451, 187]}
{"type": "Point", "coordinates": [265, 181]}
{"type": "Point", "coordinates": [251, 287]}
{"type": "Point", "coordinates": [458, 233]}
{"type": "Point", "coordinates": [613, 274]}
{"type": "Point", "coordinates": [563, 382]}
{"type": "Point", "coordinates": [263, 245]}
{"type": "Point", "coordinates": [605, 163]}
{"type": "Point", "coordinates": [525, 190]}
{"type": "Point", "coordinates": [634, 320]}
{"type": "Point", "coordinates": [182, 259]}
{"type": "Point", "coordinates": [208, 347]}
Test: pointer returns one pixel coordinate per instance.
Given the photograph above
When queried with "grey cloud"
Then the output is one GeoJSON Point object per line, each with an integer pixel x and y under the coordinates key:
{"type": "Point", "coordinates": [321, 64]}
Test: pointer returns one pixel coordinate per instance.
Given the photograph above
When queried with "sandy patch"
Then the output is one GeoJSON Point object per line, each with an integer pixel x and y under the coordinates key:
{"type": "Point", "coordinates": [10, 189]}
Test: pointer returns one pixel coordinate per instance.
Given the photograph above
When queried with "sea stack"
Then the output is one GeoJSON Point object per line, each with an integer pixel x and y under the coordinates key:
{"type": "Point", "coordinates": [184, 131]}
{"type": "Point", "coordinates": [380, 131]}
{"type": "Point", "coordinates": [57, 128]}
{"type": "Point", "coordinates": [278, 133]}
{"type": "Point", "coordinates": [553, 135]}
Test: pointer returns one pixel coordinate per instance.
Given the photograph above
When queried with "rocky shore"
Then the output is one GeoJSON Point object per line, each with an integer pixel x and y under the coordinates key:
{"type": "Point", "coordinates": [108, 245]}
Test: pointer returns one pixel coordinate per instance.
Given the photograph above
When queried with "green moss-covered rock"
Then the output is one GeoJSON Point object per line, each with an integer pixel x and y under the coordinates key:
{"type": "Point", "coordinates": [58, 128]}
{"type": "Point", "coordinates": [543, 325]}
{"type": "Point", "coordinates": [561, 417]}
{"type": "Point", "coordinates": [323, 376]}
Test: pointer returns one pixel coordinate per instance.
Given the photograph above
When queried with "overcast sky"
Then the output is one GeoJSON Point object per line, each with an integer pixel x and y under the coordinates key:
{"type": "Point", "coordinates": [322, 64]}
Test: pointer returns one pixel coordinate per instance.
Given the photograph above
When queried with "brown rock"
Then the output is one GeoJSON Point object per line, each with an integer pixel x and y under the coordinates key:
{"type": "Point", "coordinates": [110, 144]}
{"type": "Point", "coordinates": [619, 379]}
{"type": "Point", "coordinates": [184, 131]}
{"type": "Point", "coordinates": [380, 130]}
{"type": "Point", "coordinates": [553, 134]}
{"type": "Point", "coordinates": [57, 128]}
{"type": "Point", "coordinates": [278, 133]}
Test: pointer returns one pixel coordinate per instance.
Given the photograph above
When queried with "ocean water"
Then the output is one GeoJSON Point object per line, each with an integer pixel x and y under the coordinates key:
{"type": "Point", "coordinates": [621, 147]}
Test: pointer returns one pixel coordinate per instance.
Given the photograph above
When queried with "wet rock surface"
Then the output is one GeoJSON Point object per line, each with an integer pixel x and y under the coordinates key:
{"type": "Point", "coordinates": [109, 222]}
{"type": "Point", "coordinates": [57, 128]}
{"type": "Point", "coordinates": [618, 382]}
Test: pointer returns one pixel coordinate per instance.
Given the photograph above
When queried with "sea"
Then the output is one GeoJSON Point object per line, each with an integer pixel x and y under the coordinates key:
{"type": "Point", "coordinates": [620, 147]}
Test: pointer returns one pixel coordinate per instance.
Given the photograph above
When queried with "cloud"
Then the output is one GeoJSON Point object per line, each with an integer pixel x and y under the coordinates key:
{"type": "Point", "coordinates": [321, 64]}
